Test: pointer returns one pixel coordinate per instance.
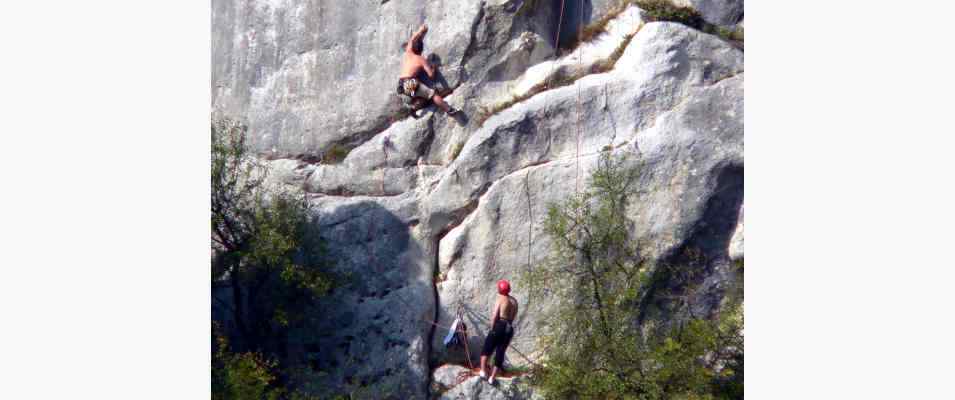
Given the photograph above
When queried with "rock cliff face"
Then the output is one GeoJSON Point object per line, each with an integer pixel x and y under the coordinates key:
{"type": "Point", "coordinates": [426, 215]}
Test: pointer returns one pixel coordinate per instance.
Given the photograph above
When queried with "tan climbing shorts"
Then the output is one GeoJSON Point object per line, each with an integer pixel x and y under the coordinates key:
{"type": "Point", "coordinates": [414, 88]}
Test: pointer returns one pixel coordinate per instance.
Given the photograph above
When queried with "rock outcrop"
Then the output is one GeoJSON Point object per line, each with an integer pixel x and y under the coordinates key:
{"type": "Point", "coordinates": [452, 382]}
{"type": "Point", "coordinates": [718, 12]}
{"type": "Point", "coordinates": [425, 215]}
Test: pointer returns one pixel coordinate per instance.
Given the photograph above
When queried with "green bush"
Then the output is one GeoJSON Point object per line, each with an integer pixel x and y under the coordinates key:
{"type": "Point", "coordinates": [456, 150]}
{"type": "Point", "coordinates": [335, 154]}
{"type": "Point", "coordinates": [266, 253]}
{"type": "Point", "coordinates": [242, 376]}
{"type": "Point", "coordinates": [663, 10]}
{"type": "Point", "coordinates": [595, 347]}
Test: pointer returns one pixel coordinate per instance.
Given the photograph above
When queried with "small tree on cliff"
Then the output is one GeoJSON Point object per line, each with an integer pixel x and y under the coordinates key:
{"type": "Point", "coordinates": [595, 348]}
{"type": "Point", "coordinates": [265, 249]}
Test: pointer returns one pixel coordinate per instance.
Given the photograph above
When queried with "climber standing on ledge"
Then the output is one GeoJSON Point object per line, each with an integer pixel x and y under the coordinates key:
{"type": "Point", "coordinates": [412, 63]}
{"type": "Point", "coordinates": [502, 330]}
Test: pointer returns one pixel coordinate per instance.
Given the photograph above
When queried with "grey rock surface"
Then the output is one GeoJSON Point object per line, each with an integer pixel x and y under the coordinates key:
{"type": "Point", "coordinates": [454, 382]}
{"type": "Point", "coordinates": [736, 242]}
{"type": "Point", "coordinates": [447, 376]}
{"type": "Point", "coordinates": [306, 75]}
{"type": "Point", "coordinates": [425, 215]}
{"type": "Point", "coordinates": [718, 12]}
{"type": "Point", "coordinates": [370, 335]}
{"type": "Point", "coordinates": [526, 157]}
{"type": "Point", "coordinates": [503, 389]}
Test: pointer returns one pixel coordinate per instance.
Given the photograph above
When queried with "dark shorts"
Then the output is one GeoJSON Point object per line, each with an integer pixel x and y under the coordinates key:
{"type": "Point", "coordinates": [497, 341]}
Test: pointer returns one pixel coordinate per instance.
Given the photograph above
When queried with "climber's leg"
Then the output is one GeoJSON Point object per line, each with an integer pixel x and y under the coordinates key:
{"type": "Point", "coordinates": [502, 345]}
{"type": "Point", "coordinates": [489, 344]}
{"type": "Point", "coordinates": [439, 101]}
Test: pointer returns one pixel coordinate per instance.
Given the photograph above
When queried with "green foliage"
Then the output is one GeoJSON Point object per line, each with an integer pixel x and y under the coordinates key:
{"type": "Point", "coordinates": [663, 10]}
{"type": "Point", "coordinates": [456, 150]}
{"type": "Point", "coordinates": [265, 251]}
{"type": "Point", "coordinates": [529, 6]}
{"type": "Point", "coordinates": [608, 63]}
{"type": "Point", "coordinates": [560, 78]}
{"type": "Point", "coordinates": [242, 376]}
{"type": "Point", "coordinates": [725, 33]}
{"type": "Point", "coordinates": [595, 348]}
{"type": "Point", "coordinates": [598, 27]}
{"type": "Point", "coordinates": [335, 154]}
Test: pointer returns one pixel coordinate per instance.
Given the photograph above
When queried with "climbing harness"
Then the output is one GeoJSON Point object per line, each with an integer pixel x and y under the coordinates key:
{"type": "Point", "coordinates": [407, 87]}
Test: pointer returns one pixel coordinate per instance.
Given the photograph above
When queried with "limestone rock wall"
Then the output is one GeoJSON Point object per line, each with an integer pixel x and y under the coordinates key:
{"type": "Point", "coordinates": [425, 215]}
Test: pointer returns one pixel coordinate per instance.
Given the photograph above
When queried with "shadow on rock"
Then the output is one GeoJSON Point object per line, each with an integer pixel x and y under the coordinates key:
{"type": "Point", "coordinates": [365, 335]}
{"type": "Point", "coordinates": [577, 14]}
{"type": "Point", "coordinates": [692, 280]}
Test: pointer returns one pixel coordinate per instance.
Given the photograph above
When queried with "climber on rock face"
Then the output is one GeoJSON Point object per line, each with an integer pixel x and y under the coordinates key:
{"type": "Point", "coordinates": [502, 330]}
{"type": "Point", "coordinates": [412, 63]}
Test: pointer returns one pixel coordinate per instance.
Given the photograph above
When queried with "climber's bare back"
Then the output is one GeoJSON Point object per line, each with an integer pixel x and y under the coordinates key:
{"type": "Point", "coordinates": [507, 306]}
{"type": "Point", "coordinates": [411, 65]}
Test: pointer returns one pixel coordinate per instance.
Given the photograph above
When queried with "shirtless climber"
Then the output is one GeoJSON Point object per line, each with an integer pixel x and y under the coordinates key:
{"type": "Point", "coordinates": [502, 330]}
{"type": "Point", "coordinates": [411, 65]}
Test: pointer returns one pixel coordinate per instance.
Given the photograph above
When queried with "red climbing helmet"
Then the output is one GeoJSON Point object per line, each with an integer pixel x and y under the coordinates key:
{"type": "Point", "coordinates": [503, 287]}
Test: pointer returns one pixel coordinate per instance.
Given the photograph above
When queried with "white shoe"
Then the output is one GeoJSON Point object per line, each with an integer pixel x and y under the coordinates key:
{"type": "Point", "coordinates": [490, 380]}
{"type": "Point", "coordinates": [483, 375]}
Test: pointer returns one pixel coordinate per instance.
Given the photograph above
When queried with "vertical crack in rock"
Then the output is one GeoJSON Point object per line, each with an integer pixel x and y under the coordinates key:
{"type": "Point", "coordinates": [469, 51]}
{"type": "Point", "coordinates": [424, 147]}
{"type": "Point", "coordinates": [437, 307]}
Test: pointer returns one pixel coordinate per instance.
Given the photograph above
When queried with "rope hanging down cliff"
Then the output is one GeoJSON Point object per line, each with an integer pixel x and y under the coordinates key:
{"type": "Point", "coordinates": [372, 229]}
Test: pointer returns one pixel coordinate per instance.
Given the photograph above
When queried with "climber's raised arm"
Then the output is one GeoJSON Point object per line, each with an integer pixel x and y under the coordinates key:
{"type": "Point", "coordinates": [415, 37]}
{"type": "Point", "coordinates": [428, 69]}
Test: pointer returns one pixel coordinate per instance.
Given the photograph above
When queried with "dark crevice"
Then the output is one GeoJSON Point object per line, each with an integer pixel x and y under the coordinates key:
{"type": "Point", "coordinates": [346, 193]}
{"type": "Point", "coordinates": [458, 216]}
{"type": "Point", "coordinates": [357, 139]}
{"type": "Point", "coordinates": [472, 45]}
{"type": "Point", "coordinates": [577, 15]}
{"type": "Point", "coordinates": [437, 307]}
{"type": "Point", "coordinates": [345, 144]}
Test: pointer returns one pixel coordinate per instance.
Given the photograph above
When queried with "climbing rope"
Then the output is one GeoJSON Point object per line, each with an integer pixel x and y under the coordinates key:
{"type": "Point", "coordinates": [560, 20]}
{"type": "Point", "coordinates": [492, 263]}
{"type": "Point", "coordinates": [580, 57]}
{"type": "Point", "coordinates": [580, 54]}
